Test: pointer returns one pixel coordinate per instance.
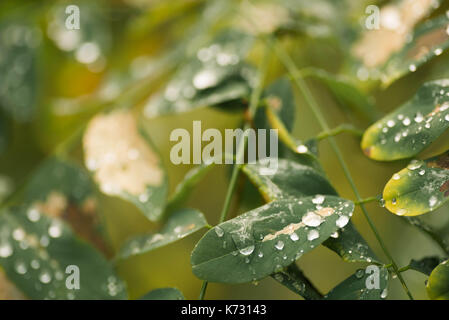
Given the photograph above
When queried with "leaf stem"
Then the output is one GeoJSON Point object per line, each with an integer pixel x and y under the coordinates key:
{"type": "Point", "coordinates": [366, 200]}
{"type": "Point", "coordinates": [241, 146]}
{"type": "Point", "coordinates": [343, 128]}
{"type": "Point", "coordinates": [302, 86]}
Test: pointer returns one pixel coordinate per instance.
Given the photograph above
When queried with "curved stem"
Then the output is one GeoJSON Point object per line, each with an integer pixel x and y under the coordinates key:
{"type": "Point", "coordinates": [343, 128]}
{"type": "Point", "coordinates": [302, 86]}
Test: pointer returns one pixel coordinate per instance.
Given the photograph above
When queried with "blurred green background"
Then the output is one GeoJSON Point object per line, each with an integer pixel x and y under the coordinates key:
{"type": "Point", "coordinates": [138, 44]}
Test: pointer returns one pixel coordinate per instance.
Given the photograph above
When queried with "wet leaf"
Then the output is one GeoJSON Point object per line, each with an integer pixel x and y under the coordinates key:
{"type": "Point", "coordinates": [294, 180]}
{"type": "Point", "coordinates": [179, 225]}
{"type": "Point", "coordinates": [425, 265]}
{"type": "Point", "coordinates": [164, 294]}
{"type": "Point", "coordinates": [215, 76]}
{"type": "Point", "coordinates": [421, 187]}
{"type": "Point", "coordinates": [293, 278]}
{"type": "Point", "coordinates": [438, 283]}
{"type": "Point", "coordinates": [348, 96]}
{"type": "Point", "coordinates": [377, 46]}
{"type": "Point", "coordinates": [368, 284]}
{"type": "Point", "coordinates": [19, 44]}
{"type": "Point", "coordinates": [124, 163]}
{"type": "Point", "coordinates": [350, 246]}
{"type": "Point", "coordinates": [62, 189]}
{"type": "Point", "coordinates": [412, 127]}
{"type": "Point", "coordinates": [35, 251]}
{"type": "Point", "coordinates": [428, 41]}
{"type": "Point", "coordinates": [267, 239]}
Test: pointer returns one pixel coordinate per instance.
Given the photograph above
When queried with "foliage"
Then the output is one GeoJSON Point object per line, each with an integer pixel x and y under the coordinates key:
{"type": "Point", "coordinates": [91, 97]}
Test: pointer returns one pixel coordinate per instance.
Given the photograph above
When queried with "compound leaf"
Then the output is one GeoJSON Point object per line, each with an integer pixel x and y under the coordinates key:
{"type": "Point", "coordinates": [263, 241]}
{"type": "Point", "coordinates": [39, 253]}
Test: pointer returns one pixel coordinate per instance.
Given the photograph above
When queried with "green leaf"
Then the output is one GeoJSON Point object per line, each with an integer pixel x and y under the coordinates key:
{"type": "Point", "coordinates": [350, 246]}
{"type": "Point", "coordinates": [125, 163]}
{"type": "Point", "coordinates": [296, 180]}
{"type": "Point", "coordinates": [369, 284]}
{"type": "Point", "coordinates": [412, 127]}
{"type": "Point", "coordinates": [438, 283]}
{"type": "Point", "coordinates": [348, 96]}
{"type": "Point", "coordinates": [35, 251]}
{"type": "Point", "coordinates": [267, 239]}
{"type": "Point", "coordinates": [428, 41]}
{"type": "Point", "coordinates": [293, 278]}
{"type": "Point", "coordinates": [425, 265]}
{"type": "Point", "coordinates": [179, 225]}
{"type": "Point", "coordinates": [164, 294]}
{"type": "Point", "coordinates": [60, 176]}
{"type": "Point", "coordinates": [421, 187]}
{"type": "Point", "coordinates": [215, 76]}
{"type": "Point", "coordinates": [18, 66]}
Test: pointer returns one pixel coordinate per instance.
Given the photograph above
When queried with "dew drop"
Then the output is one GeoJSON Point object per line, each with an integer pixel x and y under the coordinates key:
{"type": "Point", "coordinates": [384, 293]}
{"type": "Point", "coordinates": [433, 201]}
{"type": "Point", "coordinates": [33, 215]}
{"type": "Point", "coordinates": [55, 230]}
{"type": "Point", "coordinates": [5, 250]}
{"type": "Point", "coordinates": [302, 149]}
{"type": "Point", "coordinates": [219, 231]}
{"type": "Point", "coordinates": [294, 237]}
{"type": "Point", "coordinates": [312, 235]}
{"type": "Point", "coordinates": [359, 273]}
{"type": "Point", "coordinates": [312, 219]}
{"type": "Point", "coordinates": [247, 250]}
{"type": "Point", "coordinates": [412, 67]}
{"type": "Point", "coordinates": [45, 277]}
{"type": "Point", "coordinates": [319, 199]}
{"type": "Point", "coordinates": [342, 221]}
{"type": "Point", "coordinates": [20, 268]}
{"type": "Point", "coordinates": [279, 245]}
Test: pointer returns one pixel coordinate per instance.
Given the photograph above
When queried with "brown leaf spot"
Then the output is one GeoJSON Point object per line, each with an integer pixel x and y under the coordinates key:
{"type": "Point", "coordinates": [54, 206]}
{"type": "Point", "coordinates": [274, 102]}
{"type": "Point", "coordinates": [367, 151]}
{"type": "Point", "coordinates": [325, 212]}
{"type": "Point", "coordinates": [442, 162]}
{"type": "Point", "coordinates": [426, 42]}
